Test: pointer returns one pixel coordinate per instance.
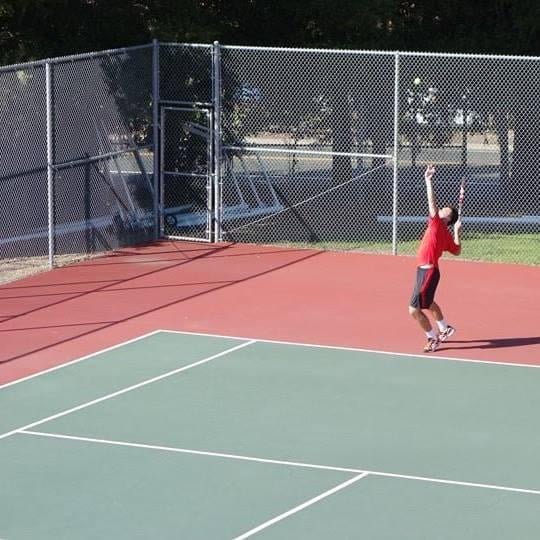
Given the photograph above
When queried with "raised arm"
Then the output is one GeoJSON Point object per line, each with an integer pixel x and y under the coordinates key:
{"type": "Point", "coordinates": [457, 237]}
{"type": "Point", "coordinates": [432, 203]}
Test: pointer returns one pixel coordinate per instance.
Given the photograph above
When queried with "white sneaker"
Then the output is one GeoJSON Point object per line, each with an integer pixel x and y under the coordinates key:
{"type": "Point", "coordinates": [445, 334]}
{"type": "Point", "coordinates": [432, 345]}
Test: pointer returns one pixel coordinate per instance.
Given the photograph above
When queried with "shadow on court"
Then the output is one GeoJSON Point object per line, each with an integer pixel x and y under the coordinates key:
{"type": "Point", "coordinates": [130, 306]}
{"type": "Point", "coordinates": [491, 343]}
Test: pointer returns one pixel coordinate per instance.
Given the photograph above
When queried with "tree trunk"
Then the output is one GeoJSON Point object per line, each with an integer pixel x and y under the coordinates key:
{"type": "Point", "coordinates": [524, 193]}
{"type": "Point", "coordinates": [341, 135]}
{"type": "Point", "coordinates": [501, 128]}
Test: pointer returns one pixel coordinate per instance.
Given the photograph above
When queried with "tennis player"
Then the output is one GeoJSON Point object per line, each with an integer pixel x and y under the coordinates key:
{"type": "Point", "coordinates": [436, 239]}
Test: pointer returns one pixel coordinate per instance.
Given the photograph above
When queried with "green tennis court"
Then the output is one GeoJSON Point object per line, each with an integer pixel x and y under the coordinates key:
{"type": "Point", "coordinates": [177, 435]}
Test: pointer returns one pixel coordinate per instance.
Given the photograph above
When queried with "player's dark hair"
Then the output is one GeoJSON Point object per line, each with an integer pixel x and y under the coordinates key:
{"type": "Point", "coordinates": [453, 216]}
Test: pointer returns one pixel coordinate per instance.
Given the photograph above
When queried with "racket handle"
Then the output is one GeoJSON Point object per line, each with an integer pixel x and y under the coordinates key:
{"type": "Point", "coordinates": [461, 197]}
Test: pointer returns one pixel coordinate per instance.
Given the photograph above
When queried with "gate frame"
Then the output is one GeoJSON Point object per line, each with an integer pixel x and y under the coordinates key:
{"type": "Point", "coordinates": [210, 177]}
{"type": "Point", "coordinates": [213, 110]}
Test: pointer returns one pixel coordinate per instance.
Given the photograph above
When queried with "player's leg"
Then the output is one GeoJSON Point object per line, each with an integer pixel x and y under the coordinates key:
{"type": "Point", "coordinates": [436, 311]}
{"type": "Point", "coordinates": [422, 298]}
{"type": "Point", "coordinates": [418, 315]}
{"type": "Point", "coordinates": [445, 330]}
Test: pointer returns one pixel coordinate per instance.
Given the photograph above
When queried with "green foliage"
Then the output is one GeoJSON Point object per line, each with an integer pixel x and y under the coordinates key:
{"type": "Point", "coordinates": [519, 248]}
{"type": "Point", "coordinates": [31, 29]}
{"type": "Point", "coordinates": [34, 29]}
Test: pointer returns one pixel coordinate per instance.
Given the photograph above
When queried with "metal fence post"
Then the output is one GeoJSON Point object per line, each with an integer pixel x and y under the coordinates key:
{"type": "Point", "coordinates": [396, 154]}
{"type": "Point", "coordinates": [50, 161]}
{"type": "Point", "coordinates": [158, 232]}
{"type": "Point", "coordinates": [216, 98]}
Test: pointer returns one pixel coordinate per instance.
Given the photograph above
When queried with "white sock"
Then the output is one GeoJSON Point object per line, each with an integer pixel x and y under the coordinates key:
{"type": "Point", "coordinates": [442, 324]}
{"type": "Point", "coordinates": [431, 334]}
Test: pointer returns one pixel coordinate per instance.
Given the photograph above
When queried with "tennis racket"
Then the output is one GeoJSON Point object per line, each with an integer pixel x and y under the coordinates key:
{"type": "Point", "coordinates": [461, 198]}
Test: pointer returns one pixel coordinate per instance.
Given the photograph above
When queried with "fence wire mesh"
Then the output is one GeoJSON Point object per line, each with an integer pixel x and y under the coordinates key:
{"type": "Point", "coordinates": [185, 73]}
{"type": "Point", "coordinates": [102, 104]}
{"type": "Point", "coordinates": [293, 99]}
{"type": "Point", "coordinates": [101, 205]}
{"type": "Point", "coordinates": [103, 187]}
{"type": "Point", "coordinates": [314, 131]}
{"type": "Point", "coordinates": [306, 146]}
{"type": "Point", "coordinates": [302, 199]}
{"type": "Point", "coordinates": [101, 107]}
{"type": "Point", "coordinates": [474, 117]}
{"type": "Point", "coordinates": [186, 172]}
{"type": "Point", "coordinates": [307, 136]}
{"type": "Point", "coordinates": [23, 161]}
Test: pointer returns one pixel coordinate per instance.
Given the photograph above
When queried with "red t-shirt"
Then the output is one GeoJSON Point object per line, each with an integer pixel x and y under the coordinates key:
{"type": "Point", "coordinates": [436, 239]}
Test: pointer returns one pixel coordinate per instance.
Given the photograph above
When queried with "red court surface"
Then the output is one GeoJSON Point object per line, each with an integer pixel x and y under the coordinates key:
{"type": "Point", "coordinates": [329, 298]}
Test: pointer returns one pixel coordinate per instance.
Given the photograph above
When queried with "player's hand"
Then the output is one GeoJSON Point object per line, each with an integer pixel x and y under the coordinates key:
{"type": "Point", "coordinates": [457, 226]}
{"type": "Point", "coordinates": [430, 171]}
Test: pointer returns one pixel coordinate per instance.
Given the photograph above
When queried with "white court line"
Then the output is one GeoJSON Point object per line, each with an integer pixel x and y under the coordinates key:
{"type": "Point", "coordinates": [128, 389]}
{"type": "Point", "coordinates": [433, 356]}
{"type": "Point", "coordinates": [24, 431]}
{"type": "Point", "coordinates": [187, 451]}
{"type": "Point", "coordinates": [301, 507]}
{"type": "Point", "coordinates": [61, 366]}
{"type": "Point", "coordinates": [297, 344]}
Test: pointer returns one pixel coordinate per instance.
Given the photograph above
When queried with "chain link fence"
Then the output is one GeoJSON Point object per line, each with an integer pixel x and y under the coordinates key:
{"type": "Point", "coordinates": [295, 147]}
{"type": "Point", "coordinates": [76, 173]}
{"type": "Point", "coordinates": [186, 125]}
{"type": "Point", "coordinates": [328, 148]}
{"type": "Point", "coordinates": [474, 117]}
{"type": "Point", "coordinates": [307, 135]}
{"type": "Point", "coordinates": [23, 163]}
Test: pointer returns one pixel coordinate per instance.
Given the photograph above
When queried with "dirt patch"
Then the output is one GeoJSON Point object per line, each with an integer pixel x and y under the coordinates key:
{"type": "Point", "coordinates": [21, 267]}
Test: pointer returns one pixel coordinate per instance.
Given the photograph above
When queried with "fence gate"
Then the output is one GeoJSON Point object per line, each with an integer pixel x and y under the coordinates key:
{"type": "Point", "coordinates": [186, 173]}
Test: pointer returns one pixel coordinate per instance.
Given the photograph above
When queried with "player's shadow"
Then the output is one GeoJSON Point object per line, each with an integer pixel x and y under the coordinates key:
{"type": "Point", "coordinates": [491, 343]}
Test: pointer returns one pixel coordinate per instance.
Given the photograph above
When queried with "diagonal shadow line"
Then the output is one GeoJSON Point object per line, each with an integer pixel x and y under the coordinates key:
{"type": "Point", "coordinates": [48, 285]}
{"type": "Point", "coordinates": [183, 250]}
{"type": "Point", "coordinates": [195, 247]}
{"type": "Point", "coordinates": [99, 289]}
{"type": "Point", "coordinates": [254, 276]}
{"type": "Point", "coordinates": [9, 287]}
{"type": "Point", "coordinates": [111, 290]}
{"type": "Point", "coordinates": [490, 343]}
{"type": "Point", "coordinates": [112, 262]}
{"type": "Point", "coordinates": [71, 325]}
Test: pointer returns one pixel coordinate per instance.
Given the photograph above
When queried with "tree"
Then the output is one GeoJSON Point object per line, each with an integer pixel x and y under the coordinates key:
{"type": "Point", "coordinates": [34, 29]}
